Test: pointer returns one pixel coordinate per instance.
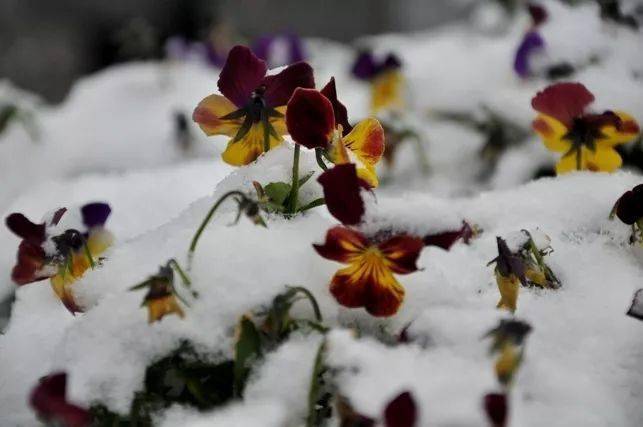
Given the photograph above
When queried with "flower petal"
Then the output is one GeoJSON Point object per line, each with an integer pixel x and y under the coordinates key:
{"type": "Point", "coordinates": [364, 67]}
{"type": "Point", "coordinates": [495, 405]}
{"type": "Point", "coordinates": [280, 87]}
{"type": "Point", "coordinates": [401, 253]}
{"type": "Point", "coordinates": [207, 114]}
{"type": "Point", "coordinates": [310, 119]}
{"type": "Point", "coordinates": [625, 130]}
{"type": "Point", "coordinates": [342, 244]}
{"type": "Point", "coordinates": [30, 265]}
{"type": "Point", "coordinates": [401, 411]}
{"type": "Point", "coordinates": [22, 227]}
{"type": "Point", "coordinates": [538, 13]}
{"type": "Point", "coordinates": [242, 73]}
{"type": "Point", "coordinates": [247, 149]}
{"type": "Point", "coordinates": [49, 401]}
{"type": "Point", "coordinates": [366, 140]}
{"type": "Point", "coordinates": [563, 101]}
{"type": "Point", "coordinates": [447, 239]}
{"type": "Point", "coordinates": [552, 132]}
{"type": "Point", "coordinates": [161, 307]}
{"type": "Point", "coordinates": [95, 214]}
{"type": "Point", "coordinates": [603, 159]}
{"type": "Point", "coordinates": [629, 207]}
{"type": "Point", "coordinates": [342, 193]}
{"type": "Point", "coordinates": [531, 44]}
{"type": "Point", "coordinates": [386, 91]}
{"type": "Point", "coordinates": [341, 114]}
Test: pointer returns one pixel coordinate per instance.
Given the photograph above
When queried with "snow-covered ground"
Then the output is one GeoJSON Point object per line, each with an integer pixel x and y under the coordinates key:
{"type": "Point", "coordinates": [114, 140]}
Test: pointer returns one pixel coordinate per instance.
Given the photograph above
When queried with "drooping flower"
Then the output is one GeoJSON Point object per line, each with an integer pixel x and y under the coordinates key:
{"type": "Point", "coordinates": [279, 49]}
{"type": "Point", "coordinates": [49, 400]}
{"type": "Point", "coordinates": [532, 43]}
{"type": "Point", "coordinates": [161, 298]}
{"type": "Point", "coordinates": [629, 207]}
{"type": "Point", "coordinates": [586, 139]}
{"type": "Point", "coordinates": [317, 120]}
{"type": "Point", "coordinates": [510, 273]}
{"type": "Point", "coordinates": [368, 280]}
{"type": "Point", "coordinates": [342, 193]}
{"type": "Point", "coordinates": [47, 251]}
{"type": "Point", "coordinates": [507, 343]}
{"type": "Point", "coordinates": [385, 78]}
{"type": "Point", "coordinates": [251, 110]}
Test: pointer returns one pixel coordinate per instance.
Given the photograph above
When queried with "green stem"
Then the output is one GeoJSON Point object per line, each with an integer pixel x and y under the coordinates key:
{"type": "Point", "coordinates": [319, 156]}
{"type": "Point", "coordinates": [294, 189]}
{"type": "Point", "coordinates": [311, 298]}
{"type": "Point", "coordinates": [177, 267]}
{"type": "Point", "coordinates": [205, 222]}
{"type": "Point", "coordinates": [313, 204]}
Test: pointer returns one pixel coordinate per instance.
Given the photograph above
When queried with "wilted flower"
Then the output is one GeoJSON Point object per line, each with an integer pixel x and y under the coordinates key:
{"type": "Point", "coordinates": [636, 309]}
{"type": "Point", "coordinates": [318, 120]}
{"type": "Point", "coordinates": [368, 280]}
{"type": "Point", "coordinates": [496, 407]}
{"type": "Point", "coordinates": [251, 110]}
{"type": "Point", "coordinates": [45, 252]}
{"type": "Point", "coordinates": [49, 400]}
{"type": "Point", "coordinates": [587, 140]}
{"type": "Point", "coordinates": [385, 77]}
{"type": "Point", "coordinates": [510, 273]}
{"type": "Point", "coordinates": [629, 209]}
{"type": "Point", "coordinates": [508, 341]}
{"type": "Point", "coordinates": [531, 43]}
{"type": "Point", "coordinates": [161, 298]}
{"type": "Point", "coordinates": [278, 50]}
{"type": "Point", "coordinates": [342, 193]}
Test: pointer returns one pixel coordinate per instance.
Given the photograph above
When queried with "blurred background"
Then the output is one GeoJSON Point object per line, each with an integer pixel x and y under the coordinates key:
{"type": "Point", "coordinates": [45, 45]}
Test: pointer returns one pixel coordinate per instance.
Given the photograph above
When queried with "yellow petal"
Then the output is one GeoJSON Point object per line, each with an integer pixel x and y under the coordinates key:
{"type": "Point", "coordinates": [207, 115]}
{"type": "Point", "coordinates": [508, 287]}
{"type": "Point", "coordinates": [612, 136]}
{"type": "Point", "coordinates": [507, 363]}
{"type": "Point", "coordinates": [366, 141]}
{"type": "Point", "coordinates": [99, 240]}
{"type": "Point", "coordinates": [552, 131]}
{"type": "Point", "coordinates": [603, 159]}
{"type": "Point", "coordinates": [387, 92]}
{"type": "Point", "coordinates": [161, 307]}
{"type": "Point", "coordinates": [248, 148]}
{"type": "Point", "coordinates": [279, 123]}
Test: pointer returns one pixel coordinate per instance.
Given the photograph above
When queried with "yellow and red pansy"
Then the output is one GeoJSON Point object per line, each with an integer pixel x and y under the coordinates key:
{"type": "Point", "coordinates": [585, 139]}
{"type": "Point", "coordinates": [316, 119]}
{"type": "Point", "coordinates": [368, 281]}
{"type": "Point", "coordinates": [251, 109]}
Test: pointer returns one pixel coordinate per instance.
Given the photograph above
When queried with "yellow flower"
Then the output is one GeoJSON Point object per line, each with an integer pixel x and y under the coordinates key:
{"type": "Point", "coordinates": [387, 91]}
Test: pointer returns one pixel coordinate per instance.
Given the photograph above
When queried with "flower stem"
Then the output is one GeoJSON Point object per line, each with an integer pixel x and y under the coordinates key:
{"type": "Point", "coordinates": [177, 267]}
{"type": "Point", "coordinates": [208, 217]}
{"type": "Point", "coordinates": [294, 189]}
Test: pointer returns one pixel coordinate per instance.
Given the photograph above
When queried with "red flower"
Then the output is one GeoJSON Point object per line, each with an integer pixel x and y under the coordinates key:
{"type": "Point", "coordinates": [342, 193]}
{"type": "Point", "coordinates": [368, 279]}
{"type": "Point", "coordinates": [49, 401]}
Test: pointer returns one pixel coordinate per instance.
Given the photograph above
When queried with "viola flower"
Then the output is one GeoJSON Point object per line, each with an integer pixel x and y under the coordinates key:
{"type": "Point", "coordinates": [251, 110]}
{"type": "Point", "coordinates": [510, 273]}
{"type": "Point", "coordinates": [532, 43]}
{"type": "Point", "coordinates": [508, 342]}
{"type": "Point", "coordinates": [342, 193]}
{"type": "Point", "coordinates": [386, 80]}
{"type": "Point", "coordinates": [636, 309]}
{"type": "Point", "coordinates": [278, 50]}
{"type": "Point", "coordinates": [49, 400]}
{"type": "Point", "coordinates": [496, 408]}
{"type": "Point", "coordinates": [368, 279]}
{"type": "Point", "coordinates": [586, 139]}
{"type": "Point", "coordinates": [317, 120]}
{"type": "Point", "coordinates": [161, 298]}
{"type": "Point", "coordinates": [46, 252]}
{"type": "Point", "coordinates": [629, 209]}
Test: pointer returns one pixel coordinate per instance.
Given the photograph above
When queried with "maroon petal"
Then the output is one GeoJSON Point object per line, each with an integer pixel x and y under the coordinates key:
{"type": "Point", "coordinates": [57, 216]}
{"type": "Point", "coordinates": [242, 73]}
{"type": "Point", "coordinates": [310, 119]}
{"type": "Point", "coordinates": [401, 411]}
{"type": "Point", "coordinates": [280, 87]}
{"type": "Point", "coordinates": [447, 239]}
{"type": "Point", "coordinates": [342, 193]}
{"type": "Point", "coordinates": [495, 406]}
{"type": "Point", "coordinates": [21, 226]}
{"type": "Point", "coordinates": [538, 13]}
{"type": "Point", "coordinates": [95, 214]}
{"type": "Point", "coordinates": [31, 260]}
{"type": "Point", "coordinates": [563, 101]}
{"type": "Point", "coordinates": [341, 114]}
{"type": "Point", "coordinates": [49, 401]}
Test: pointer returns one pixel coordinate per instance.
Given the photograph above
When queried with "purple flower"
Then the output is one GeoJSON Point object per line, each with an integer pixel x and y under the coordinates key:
{"type": "Point", "coordinates": [531, 44]}
{"type": "Point", "coordinates": [265, 48]}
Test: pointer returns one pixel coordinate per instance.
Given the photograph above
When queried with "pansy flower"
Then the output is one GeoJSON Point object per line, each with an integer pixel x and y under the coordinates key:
{"type": "Point", "coordinates": [47, 251]}
{"type": "Point", "coordinates": [508, 341]}
{"type": "Point", "coordinates": [585, 139]}
{"type": "Point", "coordinates": [629, 209]}
{"type": "Point", "coordinates": [385, 78]}
{"type": "Point", "coordinates": [532, 42]}
{"type": "Point", "coordinates": [251, 110]}
{"type": "Point", "coordinates": [48, 399]}
{"type": "Point", "coordinates": [368, 281]}
{"type": "Point", "coordinates": [510, 273]}
{"type": "Point", "coordinates": [161, 298]}
{"type": "Point", "coordinates": [278, 50]}
{"type": "Point", "coordinates": [317, 120]}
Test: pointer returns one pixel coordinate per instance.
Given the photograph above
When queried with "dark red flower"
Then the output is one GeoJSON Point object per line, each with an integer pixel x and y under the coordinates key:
{"type": "Point", "coordinates": [401, 411]}
{"type": "Point", "coordinates": [342, 193]}
{"type": "Point", "coordinates": [31, 256]}
{"type": "Point", "coordinates": [629, 207]}
{"type": "Point", "coordinates": [563, 101]}
{"type": "Point", "coordinates": [447, 239]}
{"type": "Point", "coordinates": [496, 408]}
{"type": "Point", "coordinates": [341, 114]}
{"type": "Point", "coordinates": [310, 118]}
{"type": "Point", "coordinates": [49, 401]}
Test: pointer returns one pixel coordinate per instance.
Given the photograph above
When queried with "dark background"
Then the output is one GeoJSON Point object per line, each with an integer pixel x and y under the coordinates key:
{"type": "Point", "coordinates": [46, 44]}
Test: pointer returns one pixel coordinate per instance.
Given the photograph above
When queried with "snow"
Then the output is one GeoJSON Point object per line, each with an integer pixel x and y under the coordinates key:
{"type": "Point", "coordinates": [113, 140]}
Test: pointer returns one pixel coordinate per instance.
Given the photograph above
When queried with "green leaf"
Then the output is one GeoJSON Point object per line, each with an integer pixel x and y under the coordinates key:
{"type": "Point", "coordinates": [316, 390]}
{"type": "Point", "coordinates": [305, 178]}
{"type": "Point", "coordinates": [247, 350]}
{"type": "Point", "coordinates": [317, 202]}
{"type": "Point", "coordinates": [277, 192]}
